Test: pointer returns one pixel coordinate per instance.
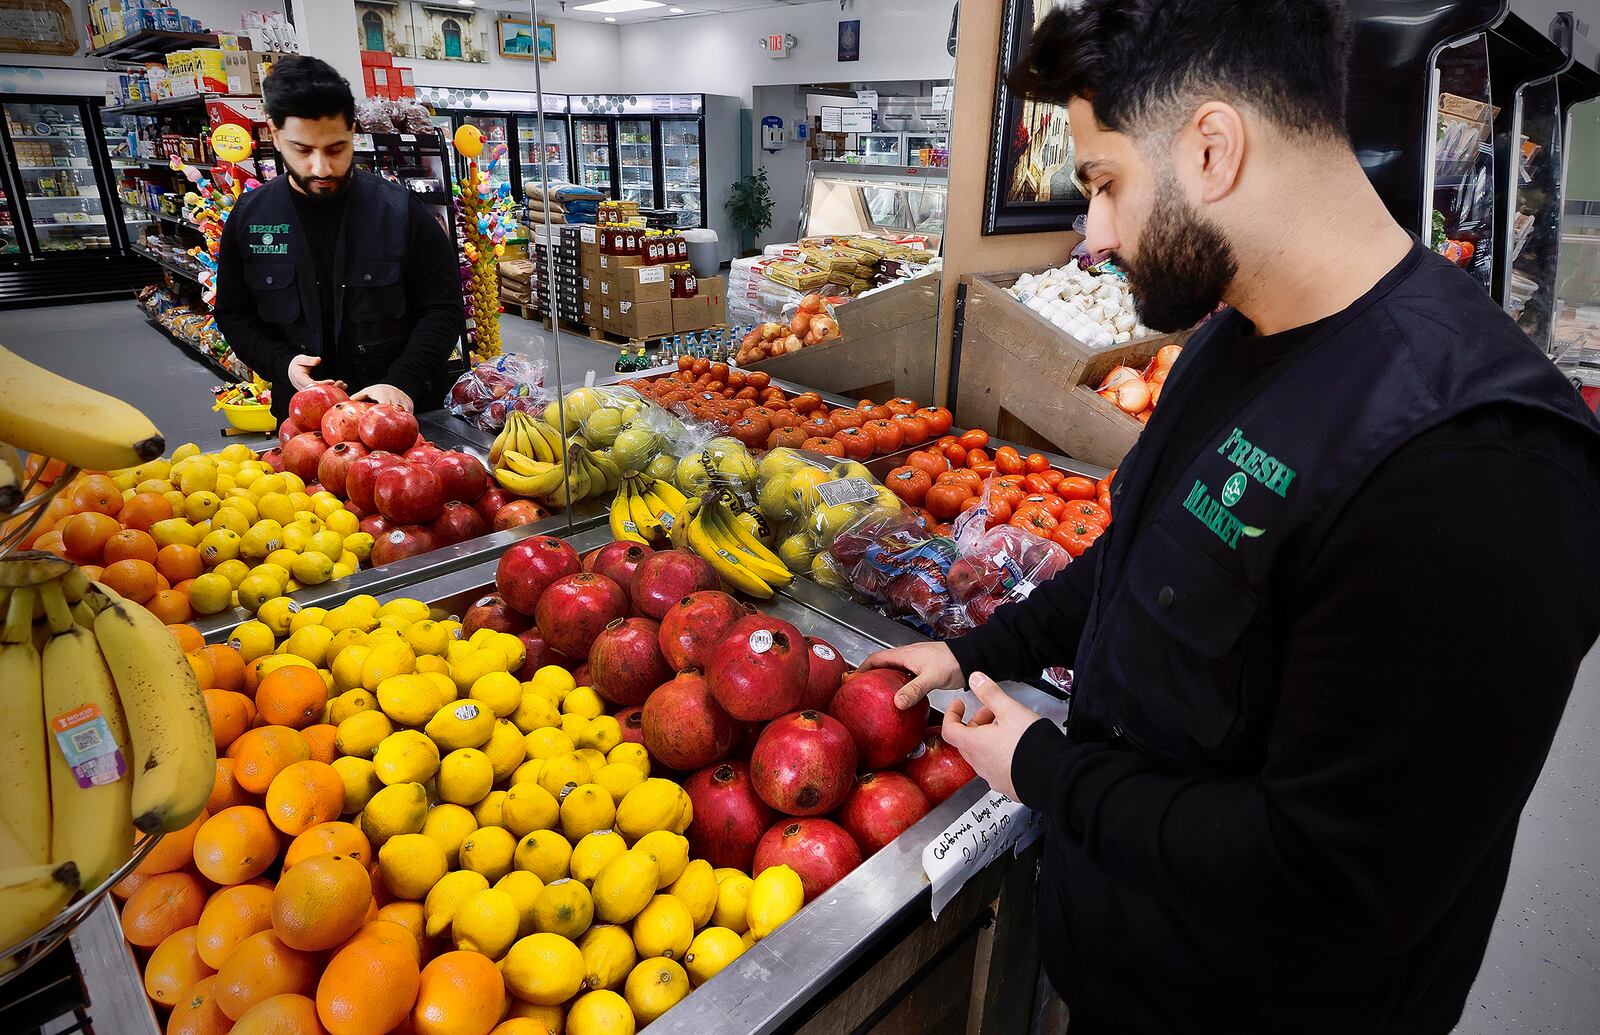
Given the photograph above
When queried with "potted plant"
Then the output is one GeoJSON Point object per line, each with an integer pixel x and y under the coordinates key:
{"type": "Point", "coordinates": [750, 208]}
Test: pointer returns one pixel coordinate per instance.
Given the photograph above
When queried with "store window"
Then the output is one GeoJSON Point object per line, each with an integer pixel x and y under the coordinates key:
{"type": "Point", "coordinates": [372, 27]}
{"type": "Point", "coordinates": [452, 38]}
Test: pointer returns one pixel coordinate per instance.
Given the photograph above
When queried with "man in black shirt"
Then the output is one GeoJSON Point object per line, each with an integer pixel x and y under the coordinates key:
{"type": "Point", "coordinates": [1320, 655]}
{"type": "Point", "coordinates": [328, 273]}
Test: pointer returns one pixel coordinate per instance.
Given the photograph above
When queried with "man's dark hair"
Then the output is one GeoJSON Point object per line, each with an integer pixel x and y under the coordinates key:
{"type": "Point", "coordinates": [1136, 61]}
{"type": "Point", "coordinates": [306, 88]}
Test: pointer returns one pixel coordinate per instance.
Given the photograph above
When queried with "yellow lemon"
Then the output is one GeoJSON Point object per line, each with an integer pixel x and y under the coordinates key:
{"type": "Point", "coordinates": [346, 668]}
{"type": "Point", "coordinates": [475, 666]}
{"type": "Point", "coordinates": [339, 520]}
{"type": "Point", "coordinates": [696, 888]}
{"type": "Point", "coordinates": [618, 778]}
{"type": "Point", "coordinates": [669, 850]}
{"type": "Point", "coordinates": [343, 638]}
{"type": "Point", "coordinates": [277, 615]}
{"type": "Point", "coordinates": [506, 749]}
{"type": "Point", "coordinates": [458, 650]}
{"type": "Point", "coordinates": [265, 536]}
{"type": "Point", "coordinates": [585, 809]}
{"type": "Point", "coordinates": [511, 646]}
{"type": "Point", "coordinates": [535, 712]}
{"type": "Point", "coordinates": [295, 538]}
{"type": "Point", "coordinates": [654, 987]}
{"type": "Point", "coordinates": [433, 664]}
{"type": "Point", "coordinates": [234, 571]}
{"type": "Point", "coordinates": [585, 702]}
{"type": "Point", "coordinates": [329, 544]}
{"type": "Point", "coordinates": [543, 853]}
{"type": "Point", "coordinates": [486, 923]}
{"type": "Point", "coordinates": [196, 476]}
{"type": "Point", "coordinates": [655, 804]}
{"type": "Point", "coordinates": [410, 700]}
{"type": "Point", "coordinates": [624, 886]}
{"type": "Point", "coordinates": [555, 681]}
{"type": "Point", "coordinates": [445, 898]}
{"type": "Point", "coordinates": [284, 558]}
{"type": "Point", "coordinates": [307, 616]}
{"type": "Point", "coordinates": [407, 608]}
{"type": "Point", "coordinates": [359, 544]}
{"type": "Point", "coordinates": [603, 734]}
{"type": "Point", "coordinates": [733, 901]}
{"type": "Point", "coordinates": [361, 733]}
{"type": "Point", "coordinates": [465, 776]}
{"type": "Point", "coordinates": [367, 602]}
{"type": "Point", "coordinates": [411, 864]}
{"type": "Point", "coordinates": [220, 544]}
{"type": "Point", "coordinates": [200, 506]}
{"type": "Point", "coordinates": [426, 637]}
{"type": "Point", "coordinates": [175, 530]}
{"type": "Point", "coordinates": [528, 772]}
{"type": "Point", "coordinates": [490, 812]}
{"type": "Point", "coordinates": [447, 689]}
{"type": "Point", "coordinates": [398, 809]}
{"type": "Point", "coordinates": [564, 907]}
{"type": "Point", "coordinates": [460, 724]}
{"type": "Point", "coordinates": [564, 770]}
{"type": "Point", "coordinates": [251, 639]}
{"type": "Point", "coordinates": [574, 726]}
{"type": "Point", "coordinates": [592, 852]}
{"type": "Point", "coordinates": [711, 950]}
{"type": "Point", "coordinates": [548, 742]}
{"type": "Point", "coordinates": [310, 643]}
{"type": "Point", "coordinates": [449, 825]}
{"type": "Point", "coordinates": [388, 659]}
{"type": "Point", "coordinates": [545, 969]}
{"type": "Point", "coordinates": [276, 506]}
{"type": "Point", "coordinates": [351, 702]}
{"type": "Point", "coordinates": [360, 782]}
{"type": "Point", "coordinates": [312, 569]}
{"type": "Point", "coordinates": [600, 1011]}
{"type": "Point", "coordinates": [348, 616]}
{"type": "Point", "coordinates": [775, 896]}
{"type": "Point", "coordinates": [529, 807]}
{"type": "Point", "coordinates": [591, 758]}
{"type": "Point", "coordinates": [499, 692]}
{"type": "Point", "coordinates": [406, 757]}
{"type": "Point", "coordinates": [210, 594]}
{"type": "Point", "coordinates": [524, 888]}
{"type": "Point", "coordinates": [489, 851]}
{"type": "Point", "coordinates": [231, 520]}
{"type": "Point", "coordinates": [608, 955]}
{"type": "Point", "coordinates": [630, 754]}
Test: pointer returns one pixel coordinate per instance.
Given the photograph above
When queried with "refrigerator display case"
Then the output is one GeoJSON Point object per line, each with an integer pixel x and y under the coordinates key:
{"type": "Point", "coordinates": [496, 157]}
{"type": "Point", "coordinates": [594, 148]}
{"type": "Point", "coordinates": [548, 160]}
{"type": "Point", "coordinates": [927, 149]}
{"type": "Point", "coordinates": [59, 173]}
{"type": "Point", "coordinates": [882, 148]}
{"type": "Point", "coordinates": [683, 187]}
{"type": "Point", "coordinates": [636, 162]}
{"type": "Point", "coordinates": [850, 198]}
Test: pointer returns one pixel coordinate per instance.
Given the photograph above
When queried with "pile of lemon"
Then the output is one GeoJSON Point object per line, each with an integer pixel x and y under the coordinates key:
{"type": "Point", "coordinates": [259, 533]}
{"type": "Point", "coordinates": [518, 816]}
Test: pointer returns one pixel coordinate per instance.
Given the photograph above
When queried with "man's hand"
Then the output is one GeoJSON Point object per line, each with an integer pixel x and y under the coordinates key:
{"type": "Point", "coordinates": [300, 375]}
{"type": "Point", "coordinates": [932, 664]}
{"type": "Point", "coordinates": [386, 394]}
{"type": "Point", "coordinates": [988, 741]}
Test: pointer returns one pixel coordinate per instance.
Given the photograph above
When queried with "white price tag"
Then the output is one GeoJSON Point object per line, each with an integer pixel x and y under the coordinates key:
{"type": "Point", "coordinates": [588, 235]}
{"type": "Point", "coordinates": [977, 837]}
{"type": "Point", "coordinates": [847, 490]}
{"type": "Point", "coordinates": [653, 275]}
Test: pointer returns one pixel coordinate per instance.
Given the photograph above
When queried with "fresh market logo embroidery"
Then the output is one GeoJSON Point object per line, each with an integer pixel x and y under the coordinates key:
{"type": "Point", "coordinates": [266, 238]}
{"type": "Point", "coordinates": [1257, 463]}
{"type": "Point", "coordinates": [1214, 512]}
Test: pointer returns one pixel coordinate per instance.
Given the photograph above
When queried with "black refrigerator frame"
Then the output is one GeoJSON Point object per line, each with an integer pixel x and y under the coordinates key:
{"type": "Point", "coordinates": [657, 152]}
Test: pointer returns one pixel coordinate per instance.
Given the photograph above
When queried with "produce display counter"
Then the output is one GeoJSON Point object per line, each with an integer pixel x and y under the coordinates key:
{"type": "Point", "coordinates": [866, 948]}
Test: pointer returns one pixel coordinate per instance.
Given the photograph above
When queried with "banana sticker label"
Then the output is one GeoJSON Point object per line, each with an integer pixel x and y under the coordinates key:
{"type": "Point", "coordinates": [86, 742]}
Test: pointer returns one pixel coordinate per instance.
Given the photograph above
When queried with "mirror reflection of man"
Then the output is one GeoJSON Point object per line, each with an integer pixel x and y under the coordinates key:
{"type": "Point", "coordinates": [331, 274]}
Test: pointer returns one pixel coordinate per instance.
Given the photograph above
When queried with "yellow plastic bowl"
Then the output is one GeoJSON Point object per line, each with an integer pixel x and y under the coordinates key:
{"type": "Point", "coordinates": [250, 417]}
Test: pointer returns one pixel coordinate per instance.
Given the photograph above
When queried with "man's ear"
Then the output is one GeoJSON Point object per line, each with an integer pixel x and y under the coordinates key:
{"type": "Point", "coordinates": [1214, 143]}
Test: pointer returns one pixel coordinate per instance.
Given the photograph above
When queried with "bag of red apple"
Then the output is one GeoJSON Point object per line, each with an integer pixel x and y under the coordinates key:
{"type": "Point", "coordinates": [890, 560]}
{"type": "Point", "coordinates": [997, 565]}
{"type": "Point", "coordinates": [486, 394]}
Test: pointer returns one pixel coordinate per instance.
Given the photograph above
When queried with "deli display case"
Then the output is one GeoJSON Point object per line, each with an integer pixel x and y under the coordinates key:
{"type": "Point", "coordinates": [882, 148]}
{"type": "Point", "coordinates": [899, 203]}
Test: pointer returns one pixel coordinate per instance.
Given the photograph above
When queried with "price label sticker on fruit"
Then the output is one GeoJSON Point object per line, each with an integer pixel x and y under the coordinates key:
{"type": "Point", "coordinates": [89, 747]}
{"type": "Point", "coordinates": [977, 838]}
{"type": "Point", "coordinates": [847, 490]}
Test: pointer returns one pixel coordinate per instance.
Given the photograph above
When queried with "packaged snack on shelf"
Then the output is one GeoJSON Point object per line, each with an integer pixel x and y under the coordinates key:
{"type": "Point", "coordinates": [492, 389]}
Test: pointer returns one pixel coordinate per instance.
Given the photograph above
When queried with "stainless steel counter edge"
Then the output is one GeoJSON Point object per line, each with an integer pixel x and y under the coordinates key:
{"type": "Point", "coordinates": [117, 1003]}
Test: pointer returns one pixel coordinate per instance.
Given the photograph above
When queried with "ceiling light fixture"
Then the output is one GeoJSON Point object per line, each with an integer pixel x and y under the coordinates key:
{"type": "Point", "coordinates": [467, 3]}
{"type": "Point", "coordinates": [619, 6]}
{"type": "Point", "coordinates": [674, 10]}
{"type": "Point", "coordinates": [609, 18]}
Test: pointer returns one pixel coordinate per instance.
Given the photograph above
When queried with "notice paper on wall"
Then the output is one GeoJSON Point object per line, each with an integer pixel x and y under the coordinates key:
{"type": "Point", "coordinates": [977, 838]}
{"type": "Point", "coordinates": [856, 120]}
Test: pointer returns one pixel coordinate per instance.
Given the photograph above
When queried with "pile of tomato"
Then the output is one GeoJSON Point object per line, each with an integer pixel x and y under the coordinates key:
{"type": "Point", "coordinates": [955, 473]}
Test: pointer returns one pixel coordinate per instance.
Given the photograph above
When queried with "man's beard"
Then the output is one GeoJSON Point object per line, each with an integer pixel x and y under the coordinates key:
{"type": "Point", "coordinates": [1184, 266]}
{"type": "Point", "coordinates": [318, 188]}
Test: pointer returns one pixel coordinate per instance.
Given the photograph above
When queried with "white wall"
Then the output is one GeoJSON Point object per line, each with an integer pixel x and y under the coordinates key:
{"type": "Point", "coordinates": [586, 62]}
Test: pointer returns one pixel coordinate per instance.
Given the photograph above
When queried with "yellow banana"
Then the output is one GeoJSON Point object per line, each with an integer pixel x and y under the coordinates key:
{"type": "Point", "coordinates": [174, 753]}
{"type": "Point", "coordinates": [608, 469]}
{"type": "Point", "coordinates": [660, 509]}
{"type": "Point", "coordinates": [498, 446]}
{"type": "Point", "coordinates": [13, 853]}
{"type": "Point", "coordinates": [32, 568]}
{"type": "Point", "coordinates": [552, 438]}
{"type": "Point", "coordinates": [724, 535]}
{"type": "Point", "coordinates": [31, 896]}
{"type": "Point", "coordinates": [669, 493]}
{"type": "Point", "coordinates": [532, 486]}
{"type": "Point", "coordinates": [22, 734]}
{"type": "Point", "coordinates": [726, 563]}
{"type": "Point", "coordinates": [91, 802]}
{"type": "Point", "coordinates": [45, 413]}
{"type": "Point", "coordinates": [524, 464]}
{"type": "Point", "coordinates": [644, 519]}
{"type": "Point", "coordinates": [623, 528]}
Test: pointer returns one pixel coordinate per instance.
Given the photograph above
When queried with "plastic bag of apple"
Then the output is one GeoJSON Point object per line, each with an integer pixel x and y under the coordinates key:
{"type": "Point", "coordinates": [411, 496]}
{"type": "Point", "coordinates": [487, 393]}
{"type": "Point", "coordinates": [788, 756]}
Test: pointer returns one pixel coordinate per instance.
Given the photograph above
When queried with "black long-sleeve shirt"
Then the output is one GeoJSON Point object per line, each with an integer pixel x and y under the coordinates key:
{"type": "Point", "coordinates": [1355, 878]}
{"type": "Point", "coordinates": [430, 272]}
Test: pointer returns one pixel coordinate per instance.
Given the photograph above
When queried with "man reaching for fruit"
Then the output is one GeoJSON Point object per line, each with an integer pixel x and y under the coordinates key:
{"type": "Point", "coordinates": [329, 273]}
{"type": "Point", "coordinates": [1310, 696]}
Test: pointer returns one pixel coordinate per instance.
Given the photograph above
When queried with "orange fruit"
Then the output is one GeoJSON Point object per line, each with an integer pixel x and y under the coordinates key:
{"type": "Point", "coordinates": [144, 509]}
{"type": "Point", "coordinates": [368, 987]}
{"type": "Point", "coordinates": [135, 580]}
{"type": "Point", "coordinates": [389, 932]}
{"type": "Point", "coordinates": [409, 915]}
{"type": "Point", "coordinates": [293, 696]}
{"type": "Point", "coordinates": [94, 571]}
{"type": "Point", "coordinates": [321, 738]}
{"type": "Point", "coordinates": [201, 665]}
{"type": "Point", "coordinates": [230, 916]}
{"type": "Point", "coordinates": [51, 542]}
{"type": "Point", "coordinates": [330, 838]}
{"type": "Point", "coordinates": [170, 605]}
{"type": "Point", "coordinates": [189, 638]}
{"type": "Point", "coordinates": [459, 993]}
{"type": "Point", "coordinates": [173, 852]}
{"type": "Point", "coordinates": [284, 1014]}
{"type": "Point", "coordinates": [46, 469]}
{"type": "Point", "coordinates": [262, 967]}
{"type": "Point", "coordinates": [97, 493]}
{"type": "Point", "coordinates": [85, 535]}
{"type": "Point", "coordinates": [264, 752]}
{"type": "Point", "coordinates": [250, 707]}
{"type": "Point", "coordinates": [164, 904]}
{"type": "Point", "coordinates": [320, 902]}
{"type": "Point", "coordinates": [124, 888]}
{"type": "Point", "coordinates": [227, 716]}
{"type": "Point", "coordinates": [129, 544]}
{"type": "Point", "coordinates": [303, 795]}
{"type": "Point", "coordinates": [174, 967]}
{"type": "Point", "coordinates": [197, 1012]}
{"type": "Point", "coordinates": [235, 845]}
{"type": "Point", "coordinates": [227, 665]}
{"type": "Point", "coordinates": [178, 562]}
{"type": "Point", "coordinates": [225, 790]}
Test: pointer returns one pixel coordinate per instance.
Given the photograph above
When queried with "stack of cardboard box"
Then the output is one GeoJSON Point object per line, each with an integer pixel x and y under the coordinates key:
{"type": "Point", "coordinates": [569, 274]}
{"type": "Point", "coordinates": [383, 78]}
{"type": "Point", "coordinates": [589, 277]}
{"type": "Point", "coordinates": [636, 299]}
{"type": "Point", "coordinates": [516, 282]}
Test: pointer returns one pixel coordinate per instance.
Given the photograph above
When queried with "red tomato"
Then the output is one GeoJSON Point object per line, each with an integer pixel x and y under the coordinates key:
{"type": "Point", "coordinates": [976, 456]}
{"type": "Point", "coordinates": [1054, 477]}
{"type": "Point", "coordinates": [984, 469]}
{"type": "Point", "coordinates": [1076, 487]}
{"type": "Point", "coordinates": [927, 460]}
{"type": "Point", "coordinates": [977, 438]}
{"type": "Point", "coordinates": [759, 378]}
{"type": "Point", "coordinates": [910, 484]}
{"type": "Point", "coordinates": [1076, 536]}
{"type": "Point", "coordinates": [819, 427]}
{"type": "Point", "coordinates": [1049, 501]}
{"type": "Point", "coordinates": [999, 512]}
{"type": "Point", "coordinates": [939, 419]}
{"type": "Point", "coordinates": [945, 440]}
{"type": "Point", "coordinates": [956, 453]}
{"type": "Point", "coordinates": [843, 418]}
{"type": "Point", "coordinates": [1037, 463]}
{"type": "Point", "coordinates": [1036, 519]}
{"type": "Point", "coordinates": [944, 501]}
{"type": "Point", "coordinates": [858, 444]}
{"type": "Point", "coordinates": [913, 429]}
{"type": "Point", "coordinates": [1009, 461]}
{"type": "Point", "coordinates": [794, 438]}
{"type": "Point", "coordinates": [825, 446]}
{"type": "Point", "coordinates": [1104, 499]}
{"type": "Point", "coordinates": [968, 480]}
{"type": "Point", "coordinates": [1036, 483]}
{"type": "Point", "coordinates": [884, 433]}
{"type": "Point", "coordinates": [1012, 494]}
{"type": "Point", "coordinates": [1085, 510]}
{"type": "Point", "coordinates": [805, 402]}
{"type": "Point", "coordinates": [902, 405]}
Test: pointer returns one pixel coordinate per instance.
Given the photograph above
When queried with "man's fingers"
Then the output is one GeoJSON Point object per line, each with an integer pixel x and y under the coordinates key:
{"type": "Point", "coordinates": [877, 659]}
{"type": "Point", "coordinates": [912, 692]}
{"type": "Point", "coordinates": [989, 692]}
{"type": "Point", "coordinates": [982, 717]}
{"type": "Point", "coordinates": [953, 729]}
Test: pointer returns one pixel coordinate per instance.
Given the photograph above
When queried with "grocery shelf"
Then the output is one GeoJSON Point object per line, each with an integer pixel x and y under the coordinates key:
{"type": "Point", "coordinates": [188, 100]}
{"type": "Point", "coordinates": [148, 44]}
{"type": "Point", "coordinates": [56, 168]}
{"type": "Point", "coordinates": [70, 225]}
{"type": "Point", "coordinates": [166, 264]}
{"type": "Point", "coordinates": [47, 136]}
{"type": "Point", "coordinates": [205, 359]}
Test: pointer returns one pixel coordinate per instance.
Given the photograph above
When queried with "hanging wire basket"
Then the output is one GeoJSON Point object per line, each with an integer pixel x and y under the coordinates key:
{"type": "Point", "coordinates": [26, 517]}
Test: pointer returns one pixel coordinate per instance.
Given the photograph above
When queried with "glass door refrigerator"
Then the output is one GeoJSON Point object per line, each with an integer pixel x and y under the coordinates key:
{"type": "Point", "coordinates": [927, 149]}
{"type": "Point", "coordinates": [496, 157]}
{"type": "Point", "coordinates": [636, 162]}
{"type": "Point", "coordinates": [594, 153]}
{"type": "Point", "coordinates": [882, 148]}
{"type": "Point", "coordinates": [547, 161]}
{"type": "Point", "coordinates": [57, 175]}
{"type": "Point", "coordinates": [683, 181]}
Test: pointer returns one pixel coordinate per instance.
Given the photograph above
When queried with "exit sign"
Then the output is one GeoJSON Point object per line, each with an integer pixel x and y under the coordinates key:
{"type": "Point", "coordinates": [775, 46]}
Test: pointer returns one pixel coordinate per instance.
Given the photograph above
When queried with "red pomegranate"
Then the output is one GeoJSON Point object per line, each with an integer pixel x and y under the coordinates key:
{"type": "Point", "coordinates": [683, 725]}
{"type": "Point", "coordinates": [537, 653]}
{"type": "Point", "coordinates": [758, 668]}
{"type": "Point", "coordinates": [402, 542]}
{"type": "Point", "coordinates": [632, 722]}
{"type": "Point", "coordinates": [666, 577]}
{"type": "Point", "coordinates": [517, 513]}
{"type": "Point", "coordinates": [936, 767]}
{"type": "Point", "coordinates": [826, 668]}
{"type": "Point", "coordinates": [388, 427]}
{"type": "Point", "coordinates": [803, 763]}
{"type": "Point", "coordinates": [408, 494]}
{"type": "Point", "coordinates": [880, 808]}
{"type": "Point", "coordinates": [617, 561]}
{"type": "Point", "coordinates": [883, 733]}
{"type": "Point", "coordinates": [303, 453]}
{"type": "Point", "coordinates": [273, 458]}
{"type": "Point", "coordinates": [307, 406]}
{"type": "Point", "coordinates": [457, 523]}
{"type": "Point", "coordinates": [361, 481]}
{"type": "Point", "coordinates": [580, 674]}
{"type": "Point", "coordinates": [574, 610]}
{"type": "Point", "coordinates": [528, 568]}
{"type": "Point", "coordinates": [342, 421]}
{"type": "Point", "coordinates": [625, 661]}
{"type": "Point", "coordinates": [697, 623]}
{"type": "Point", "coordinates": [493, 498]}
{"type": "Point", "coordinates": [729, 817]}
{"type": "Point", "coordinates": [334, 467]}
{"type": "Point", "coordinates": [819, 850]}
{"type": "Point", "coordinates": [492, 612]}
{"type": "Point", "coordinates": [287, 429]}
{"type": "Point", "coordinates": [463, 476]}
{"type": "Point", "coordinates": [375, 525]}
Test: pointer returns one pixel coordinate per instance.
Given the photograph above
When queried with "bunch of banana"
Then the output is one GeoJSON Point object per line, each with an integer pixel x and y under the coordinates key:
{"type": "Point", "coordinates": [575, 475]}
{"type": "Point", "coordinates": [644, 510]}
{"type": "Point", "coordinates": [526, 434]}
{"type": "Point", "coordinates": [720, 530]}
{"type": "Point", "coordinates": [44, 413]}
{"type": "Point", "coordinates": [104, 730]}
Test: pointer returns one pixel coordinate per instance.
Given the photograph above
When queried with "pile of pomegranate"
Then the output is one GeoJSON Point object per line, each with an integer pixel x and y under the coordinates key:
{"type": "Point", "coordinates": [789, 755]}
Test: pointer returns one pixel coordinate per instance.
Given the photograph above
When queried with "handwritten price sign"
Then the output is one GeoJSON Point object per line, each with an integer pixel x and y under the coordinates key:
{"type": "Point", "coordinates": [977, 837]}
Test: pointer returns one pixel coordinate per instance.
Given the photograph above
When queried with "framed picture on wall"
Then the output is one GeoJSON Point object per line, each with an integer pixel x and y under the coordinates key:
{"type": "Point", "coordinates": [1029, 187]}
{"type": "Point", "coordinates": [514, 37]}
{"type": "Point", "coordinates": [547, 41]}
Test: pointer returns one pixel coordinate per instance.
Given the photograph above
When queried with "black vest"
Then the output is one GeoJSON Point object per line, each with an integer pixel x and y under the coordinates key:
{"type": "Point", "coordinates": [372, 318]}
{"type": "Point", "coordinates": [1179, 657]}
